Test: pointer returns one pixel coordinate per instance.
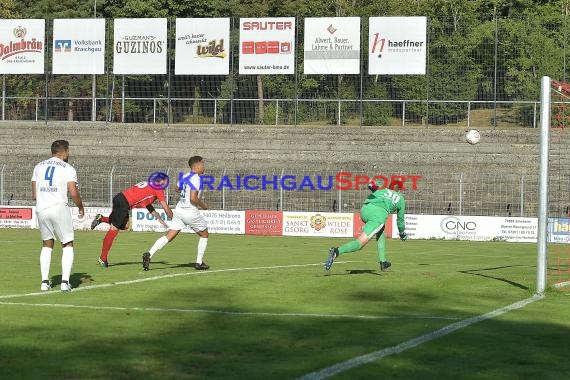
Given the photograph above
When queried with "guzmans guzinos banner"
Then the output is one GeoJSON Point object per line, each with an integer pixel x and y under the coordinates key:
{"type": "Point", "coordinates": [22, 45]}
{"type": "Point", "coordinates": [202, 46]}
{"type": "Point", "coordinates": [267, 45]}
{"type": "Point", "coordinates": [397, 45]}
{"type": "Point", "coordinates": [332, 45]}
{"type": "Point", "coordinates": [139, 46]}
{"type": "Point", "coordinates": [78, 46]}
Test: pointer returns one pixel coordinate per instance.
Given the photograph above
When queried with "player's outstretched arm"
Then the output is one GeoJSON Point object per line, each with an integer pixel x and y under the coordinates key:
{"type": "Point", "coordinates": [167, 209]}
{"type": "Point", "coordinates": [157, 216]}
{"type": "Point", "coordinates": [76, 197]}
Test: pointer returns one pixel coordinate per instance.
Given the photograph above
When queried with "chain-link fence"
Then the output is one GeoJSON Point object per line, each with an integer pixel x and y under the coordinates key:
{"type": "Point", "coordinates": [309, 190]}
{"type": "Point", "coordinates": [478, 72]}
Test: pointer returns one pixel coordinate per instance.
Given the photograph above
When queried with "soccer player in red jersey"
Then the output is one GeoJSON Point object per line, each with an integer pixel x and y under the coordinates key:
{"type": "Point", "coordinates": [140, 195]}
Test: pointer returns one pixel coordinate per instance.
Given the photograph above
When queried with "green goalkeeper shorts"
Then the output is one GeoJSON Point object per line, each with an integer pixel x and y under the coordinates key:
{"type": "Point", "coordinates": [374, 218]}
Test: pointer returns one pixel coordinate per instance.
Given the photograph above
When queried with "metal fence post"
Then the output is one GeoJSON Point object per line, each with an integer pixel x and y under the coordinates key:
{"type": "Point", "coordinates": [281, 190]}
{"type": "Point", "coordinates": [522, 195]}
{"type": "Point", "coordinates": [338, 121]}
{"type": "Point", "coordinates": [339, 200]}
{"type": "Point", "coordinates": [2, 184]}
{"type": "Point", "coordinates": [167, 191]}
{"type": "Point", "coordinates": [123, 101]}
{"type": "Point", "coordinates": [154, 110]}
{"type": "Point", "coordinates": [215, 111]}
{"type": "Point", "coordinates": [276, 111]}
{"type": "Point", "coordinates": [4, 97]}
{"type": "Point", "coordinates": [403, 114]}
{"type": "Point", "coordinates": [111, 185]}
{"type": "Point", "coordinates": [468, 114]}
{"type": "Point", "coordinates": [460, 194]}
{"type": "Point", "coordinates": [224, 191]}
{"type": "Point", "coordinates": [37, 106]}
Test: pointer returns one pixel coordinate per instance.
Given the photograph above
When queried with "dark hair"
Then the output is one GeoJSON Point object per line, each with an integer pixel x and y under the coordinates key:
{"type": "Point", "coordinates": [194, 159]}
{"type": "Point", "coordinates": [59, 146]}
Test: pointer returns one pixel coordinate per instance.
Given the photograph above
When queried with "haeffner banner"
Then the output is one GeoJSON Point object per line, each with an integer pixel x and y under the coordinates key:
{"type": "Point", "coordinates": [397, 45]}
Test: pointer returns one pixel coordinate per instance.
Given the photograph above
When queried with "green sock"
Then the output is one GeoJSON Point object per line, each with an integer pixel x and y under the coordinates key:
{"type": "Point", "coordinates": [381, 242]}
{"type": "Point", "coordinates": [351, 246]}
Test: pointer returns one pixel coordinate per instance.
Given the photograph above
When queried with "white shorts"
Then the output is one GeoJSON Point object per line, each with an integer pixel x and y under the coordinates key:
{"type": "Point", "coordinates": [191, 218]}
{"type": "Point", "coordinates": [55, 223]}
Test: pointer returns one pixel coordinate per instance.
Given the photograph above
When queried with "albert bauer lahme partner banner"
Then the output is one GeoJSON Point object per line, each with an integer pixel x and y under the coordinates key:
{"type": "Point", "coordinates": [139, 46]}
{"type": "Point", "coordinates": [202, 46]}
{"type": "Point", "coordinates": [22, 45]}
{"type": "Point", "coordinates": [332, 45]}
{"type": "Point", "coordinates": [78, 46]}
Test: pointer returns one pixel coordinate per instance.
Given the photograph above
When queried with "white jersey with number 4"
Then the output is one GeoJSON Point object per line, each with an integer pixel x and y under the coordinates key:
{"type": "Point", "coordinates": [51, 178]}
{"type": "Point", "coordinates": [190, 181]}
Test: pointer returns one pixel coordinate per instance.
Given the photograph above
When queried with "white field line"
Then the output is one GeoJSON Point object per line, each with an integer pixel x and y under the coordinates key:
{"type": "Point", "coordinates": [227, 312]}
{"type": "Point", "coordinates": [172, 275]}
{"type": "Point", "coordinates": [377, 355]}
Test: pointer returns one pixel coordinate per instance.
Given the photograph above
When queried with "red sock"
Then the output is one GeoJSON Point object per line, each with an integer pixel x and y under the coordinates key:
{"type": "Point", "coordinates": [105, 219]}
{"type": "Point", "coordinates": [108, 242]}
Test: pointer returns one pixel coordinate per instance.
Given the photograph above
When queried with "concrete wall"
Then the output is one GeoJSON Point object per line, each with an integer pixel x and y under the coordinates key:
{"type": "Point", "coordinates": [97, 147]}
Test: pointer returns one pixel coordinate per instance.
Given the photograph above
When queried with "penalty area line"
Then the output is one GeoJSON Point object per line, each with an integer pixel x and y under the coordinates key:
{"type": "Point", "coordinates": [404, 346]}
{"type": "Point", "coordinates": [172, 275]}
{"type": "Point", "coordinates": [225, 312]}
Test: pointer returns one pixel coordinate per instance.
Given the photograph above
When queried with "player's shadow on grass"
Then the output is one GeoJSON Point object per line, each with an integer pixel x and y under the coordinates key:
{"type": "Point", "coordinates": [473, 272]}
{"type": "Point", "coordinates": [348, 272]}
{"type": "Point", "coordinates": [76, 279]}
{"type": "Point", "coordinates": [134, 263]}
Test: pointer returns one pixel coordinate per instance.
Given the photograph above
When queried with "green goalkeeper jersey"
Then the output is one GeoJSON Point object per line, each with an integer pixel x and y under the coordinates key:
{"type": "Point", "coordinates": [392, 201]}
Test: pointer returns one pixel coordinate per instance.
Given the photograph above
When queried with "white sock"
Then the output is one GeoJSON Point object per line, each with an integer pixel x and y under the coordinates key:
{"type": "Point", "coordinates": [158, 244]}
{"type": "Point", "coordinates": [66, 263]}
{"type": "Point", "coordinates": [45, 262]}
{"type": "Point", "coordinates": [202, 244]}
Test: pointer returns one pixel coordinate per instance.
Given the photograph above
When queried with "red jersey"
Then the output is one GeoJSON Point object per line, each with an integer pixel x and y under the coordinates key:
{"type": "Point", "coordinates": [142, 195]}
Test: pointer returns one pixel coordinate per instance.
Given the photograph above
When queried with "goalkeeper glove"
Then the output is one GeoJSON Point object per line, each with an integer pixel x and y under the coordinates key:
{"type": "Point", "coordinates": [403, 236]}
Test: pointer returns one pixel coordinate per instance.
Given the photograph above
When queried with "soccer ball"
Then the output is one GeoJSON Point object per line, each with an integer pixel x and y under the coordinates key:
{"type": "Point", "coordinates": [473, 136]}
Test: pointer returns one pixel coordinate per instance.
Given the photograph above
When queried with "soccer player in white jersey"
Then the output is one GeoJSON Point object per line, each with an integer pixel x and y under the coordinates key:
{"type": "Point", "coordinates": [187, 213]}
{"type": "Point", "coordinates": [52, 180]}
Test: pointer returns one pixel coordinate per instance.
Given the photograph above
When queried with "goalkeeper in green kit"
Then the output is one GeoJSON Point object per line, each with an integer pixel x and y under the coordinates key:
{"type": "Point", "coordinates": [374, 213]}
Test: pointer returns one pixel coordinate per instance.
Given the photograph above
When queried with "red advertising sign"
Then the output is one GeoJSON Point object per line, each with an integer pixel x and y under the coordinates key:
{"type": "Point", "coordinates": [16, 213]}
{"type": "Point", "coordinates": [263, 222]}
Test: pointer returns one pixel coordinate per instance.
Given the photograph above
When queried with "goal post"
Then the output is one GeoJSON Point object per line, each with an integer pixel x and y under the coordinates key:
{"type": "Point", "coordinates": [553, 244]}
{"type": "Point", "coordinates": [542, 259]}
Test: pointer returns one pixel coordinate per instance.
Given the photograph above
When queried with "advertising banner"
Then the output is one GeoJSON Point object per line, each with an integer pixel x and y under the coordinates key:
{"type": "Point", "coordinates": [478, 228]}
{"type": "Point", "coordinates": [328, 224]}
{"type": "Point", "coordinates": [202, 46]}
{"type": "Point", "coordinates": [139, 46]}
{"type": "Point", "coordinates": [263, 222]}
{"type": "Point", "coordinates": [332, 45]}
{"type": "Point", "coordinates": [22, 46]}
{"type": "Point", "coordinates": [18, 217]}
{"type": "Point", "coordinates": [78, 46]}
{"type": "Point", "coordinates": [219, 221]}
{"type": "Point", "coordinates": [267, 45]}
{"type": "Point", "coordinates": [397, 45]}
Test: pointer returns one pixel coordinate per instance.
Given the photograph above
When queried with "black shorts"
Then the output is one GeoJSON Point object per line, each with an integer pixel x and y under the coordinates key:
{"type": "Point", "coordinates": [120, 213]}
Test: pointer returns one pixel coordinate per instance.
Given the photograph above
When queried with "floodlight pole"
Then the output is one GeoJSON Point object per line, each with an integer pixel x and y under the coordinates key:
{"type": "Point", "coordinates": [543, 185]}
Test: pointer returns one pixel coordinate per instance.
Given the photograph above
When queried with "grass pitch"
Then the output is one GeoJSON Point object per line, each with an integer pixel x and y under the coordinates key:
{"type": "Point", "coordinates": [267, 310]}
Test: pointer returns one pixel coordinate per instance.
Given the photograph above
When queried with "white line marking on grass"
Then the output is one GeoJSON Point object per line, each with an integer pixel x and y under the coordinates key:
{"type": "Point", "coordinates": [562, 284]}
{"type": "Point", "coordinates": [194, 273]}
{"type": "Point", "coordinates": [227, 312]}
{"type": "Point", "coordinates": [377, 355]}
